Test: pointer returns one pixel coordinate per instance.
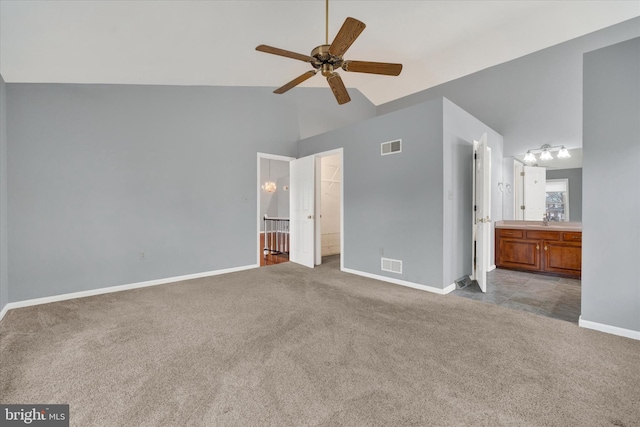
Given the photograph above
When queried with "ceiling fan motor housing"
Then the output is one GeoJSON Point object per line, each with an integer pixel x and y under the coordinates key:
{"type": "Point", "coordinates": [324, 60]}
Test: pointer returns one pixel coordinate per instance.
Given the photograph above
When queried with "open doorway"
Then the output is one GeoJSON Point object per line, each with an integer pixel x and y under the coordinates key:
{"type": "Point", "coordinates": [329, 200]}
{"type": "Point", "coordinates": [311, 192]}
{"type": "Point", "coordinates": [273, 209]}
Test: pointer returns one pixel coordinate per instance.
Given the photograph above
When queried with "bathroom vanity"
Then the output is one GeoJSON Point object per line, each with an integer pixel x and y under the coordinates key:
{"type": "Point", "coordinates": [554, 249]}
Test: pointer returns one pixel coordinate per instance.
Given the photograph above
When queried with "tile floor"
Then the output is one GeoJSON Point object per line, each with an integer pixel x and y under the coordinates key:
{"type": "Point", "coordinates": [549, 296]}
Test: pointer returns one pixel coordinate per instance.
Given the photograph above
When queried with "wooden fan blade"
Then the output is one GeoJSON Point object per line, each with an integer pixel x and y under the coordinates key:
{"type": "Point", "coordinates": [285, 53]}
{"type": "Point", "coordinates": [348, 33]}
{"type": "Point", "coordinates": [337, 86]}
{"type": "Point", "coordinates": [295, 82]}
{"type": "Point", "coordinates": [384, 68]}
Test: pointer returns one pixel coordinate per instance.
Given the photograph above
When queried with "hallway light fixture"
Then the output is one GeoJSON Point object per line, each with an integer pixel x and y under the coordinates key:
{"type": "Point", "coordinates": [269, 186]}
{"type": "Point", "coordinates": [545, 153]}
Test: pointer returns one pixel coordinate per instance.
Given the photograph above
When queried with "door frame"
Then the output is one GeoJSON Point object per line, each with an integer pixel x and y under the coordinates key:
{"type": "Point", "coordinates": [259, 193]}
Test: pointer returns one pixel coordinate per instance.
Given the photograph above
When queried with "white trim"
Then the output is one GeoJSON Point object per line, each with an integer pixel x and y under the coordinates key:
{"type": "Point", "coordinates": [614, 330]}
{"type": "Point", "coordinates": [491, 268]}
{"type": "Point", "coordinates": [108, 290]}
{"type": "Point", "coordinates": [259, 193]}
{"type": "Point", "coordinates": [439, 291]}
{"type": "Point", "coordinates": [4, 311]}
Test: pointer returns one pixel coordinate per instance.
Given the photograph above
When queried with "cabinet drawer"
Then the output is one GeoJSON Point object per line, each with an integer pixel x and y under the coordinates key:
{"type": "Point", "coordinates": [510, 233]}
{"type": "Point", "coordinates": [546, 235]}
{"type": "Point", "coordinates": [572, 236]}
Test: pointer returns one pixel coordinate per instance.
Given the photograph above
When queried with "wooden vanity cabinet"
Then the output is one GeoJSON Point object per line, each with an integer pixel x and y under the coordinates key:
{"type": "Point", "coordinates": [546, 251]}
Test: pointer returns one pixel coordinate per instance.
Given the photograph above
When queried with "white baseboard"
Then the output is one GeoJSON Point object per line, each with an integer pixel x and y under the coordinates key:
{"type": "Point", "coordinates": [4, 310]}
{"type": "Point", "coordinates": [628, 333]}
{"type": "Point", "coordinates": [493, 267]}
{"type": "Point", "coordinates": [110, 289]}
{"type": "Point", "coordinates": [402, 282]}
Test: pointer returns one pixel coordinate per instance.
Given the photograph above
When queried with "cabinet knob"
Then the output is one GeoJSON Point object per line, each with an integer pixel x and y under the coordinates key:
{"type": "Point", "coordinates": [545, 248]}
{"type": "Point", "coordinates": [537, 247]}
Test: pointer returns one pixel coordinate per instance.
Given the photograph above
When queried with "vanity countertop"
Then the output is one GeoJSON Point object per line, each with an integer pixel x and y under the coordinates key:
{"type": "Point", "coordinates": [538, 225]}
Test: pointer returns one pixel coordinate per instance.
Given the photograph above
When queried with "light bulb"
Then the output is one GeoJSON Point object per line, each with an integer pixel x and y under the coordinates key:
{"type": "Point", "coordinates": [546, 155]}
{"type": "Point", "coordinates": [529, 157]}
{"type": "Point", "coordinates": [270, 187]}
{"type": "Point", "coordinates": [563, 153]}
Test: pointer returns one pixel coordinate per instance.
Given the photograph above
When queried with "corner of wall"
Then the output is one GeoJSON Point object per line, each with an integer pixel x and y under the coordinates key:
{"type": "Point", "coordinates": [4, 282]}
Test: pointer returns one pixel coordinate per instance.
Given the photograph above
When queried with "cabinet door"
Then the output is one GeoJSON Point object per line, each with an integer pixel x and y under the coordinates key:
{"type": "Point", "coordinates": [562, 257]}
{"type": "Point", "coordinates": [518, 253]}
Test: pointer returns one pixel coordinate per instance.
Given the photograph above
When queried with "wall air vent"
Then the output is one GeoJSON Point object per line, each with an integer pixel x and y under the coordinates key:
{"type": "Point", "coordinates": [391, 147]}
{"type": "Point", "coordinates": [391, 265]}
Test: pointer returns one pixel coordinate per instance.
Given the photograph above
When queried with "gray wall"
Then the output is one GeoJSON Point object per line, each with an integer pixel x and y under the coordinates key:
{"type": "Point", "coordinates": [317, 111]}
{"type": "Point", "coordinates": [575, 189]}
{"type": "Point", "coordinates": [532, 100]}
{"type": "Point", "coordinates": [392, 204]}
{"type": "Point", "coordinates": [100, 173]}
{"type": "Point", "coordinates": [4, 278]}
{"type": "Point", "coordinates": [611, 194]}
{"type": "Point", "coordinates": [398, 206]}
{"type": "Point", "coordinates": [460, 130]}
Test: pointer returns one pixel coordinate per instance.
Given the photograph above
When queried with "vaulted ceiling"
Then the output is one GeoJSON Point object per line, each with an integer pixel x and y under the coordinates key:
{"type": "Point", "coordinates": [213, 42]}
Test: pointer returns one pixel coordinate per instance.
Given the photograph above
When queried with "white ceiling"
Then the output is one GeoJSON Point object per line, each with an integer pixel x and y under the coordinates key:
{"type": "Point", "coordinates": [213, 42]}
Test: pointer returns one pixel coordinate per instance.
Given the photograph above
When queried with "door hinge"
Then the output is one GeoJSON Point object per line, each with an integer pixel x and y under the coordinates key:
{"type": "Point", "coordinates": [522, 207]}
{"type": "Point", "coordinates": [475, 156]}
{"type": "Point", "coordinates": [521, 173]}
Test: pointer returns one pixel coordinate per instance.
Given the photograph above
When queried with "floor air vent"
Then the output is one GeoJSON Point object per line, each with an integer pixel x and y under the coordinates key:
{"type": "Point", "coordinates": [391, 147]}
{"type": "Point", "coordinates": [391, 265]}
{"type": "Point", "coordinates": [463, 282]}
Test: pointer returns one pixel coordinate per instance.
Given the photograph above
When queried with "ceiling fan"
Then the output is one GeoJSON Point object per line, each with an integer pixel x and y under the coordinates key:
{"type": "Point", "coordinates": [326, 58]}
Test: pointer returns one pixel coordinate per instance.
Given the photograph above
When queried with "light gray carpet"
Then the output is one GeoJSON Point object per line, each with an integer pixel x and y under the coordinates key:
{"type": "Point", "coordinates": [285, 345]}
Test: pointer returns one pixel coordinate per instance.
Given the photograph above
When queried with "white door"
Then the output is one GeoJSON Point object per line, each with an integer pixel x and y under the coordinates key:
{"type": "Point", "coordinates": [302, 214]}
{"type": "Point", "coordinates": [318, 212]}
{"type": "Point", "coordinates": [535, 193]}
{"type": "Point", "coordinates": [518, 191]}
{"type": "Point", "coordinates": [481, 211]}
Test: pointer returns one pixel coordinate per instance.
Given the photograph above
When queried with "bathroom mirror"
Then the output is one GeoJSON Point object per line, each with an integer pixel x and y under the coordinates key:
{"type": "Point", "coordinates": [552, 188]}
